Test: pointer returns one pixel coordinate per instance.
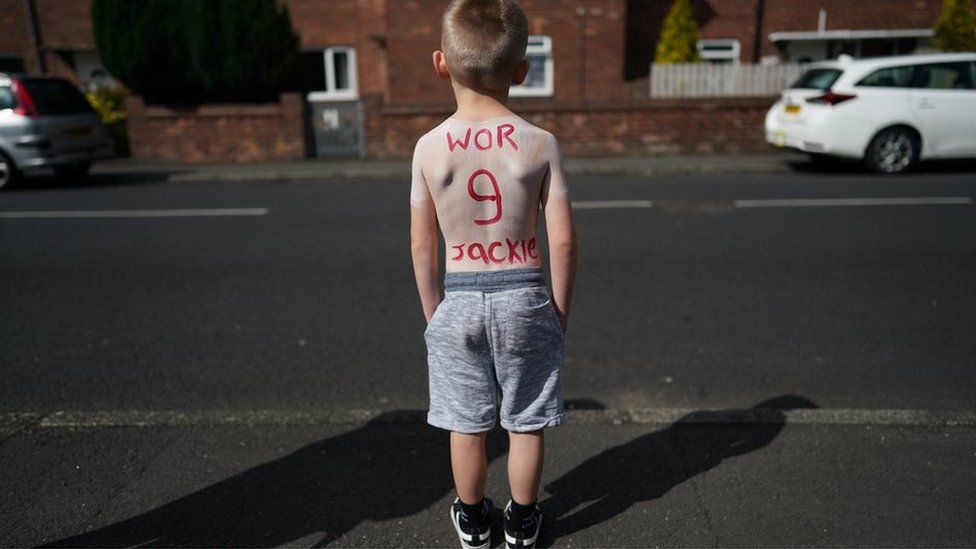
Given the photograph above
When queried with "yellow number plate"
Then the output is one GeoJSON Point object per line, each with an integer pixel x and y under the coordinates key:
{"type": "Point", "coordinates": [792, 109]}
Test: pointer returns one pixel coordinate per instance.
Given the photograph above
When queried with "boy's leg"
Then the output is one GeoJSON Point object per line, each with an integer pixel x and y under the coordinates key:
{"type": "Point", "coordinates": [469, 463]}
{"type": "Point", "coordinates": [525, 456]}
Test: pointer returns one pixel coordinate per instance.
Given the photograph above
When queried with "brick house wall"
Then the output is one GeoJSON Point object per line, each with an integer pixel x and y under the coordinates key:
{"type": "Point", "coordinates": [14, 40]}
{"type": "Point", "coordinates": [602, 50]}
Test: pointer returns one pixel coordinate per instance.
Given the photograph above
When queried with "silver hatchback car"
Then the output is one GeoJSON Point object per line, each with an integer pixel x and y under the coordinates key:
{"type": "Point", "coordinates": [45, 122]}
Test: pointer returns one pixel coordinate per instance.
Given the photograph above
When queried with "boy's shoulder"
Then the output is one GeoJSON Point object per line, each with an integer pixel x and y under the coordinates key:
{"type": "Point", "coordinates": [463, 132]}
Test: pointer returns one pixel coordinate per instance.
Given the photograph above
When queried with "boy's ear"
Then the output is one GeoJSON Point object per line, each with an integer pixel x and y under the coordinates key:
{"type": "Point", "coordinates": [440, 65]}
{"type": "Point", "coordinates": [521, 72]}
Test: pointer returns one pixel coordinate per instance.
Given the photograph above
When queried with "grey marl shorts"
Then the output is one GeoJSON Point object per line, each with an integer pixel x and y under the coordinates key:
{"type": "Point", "coordinates": [495, 331]}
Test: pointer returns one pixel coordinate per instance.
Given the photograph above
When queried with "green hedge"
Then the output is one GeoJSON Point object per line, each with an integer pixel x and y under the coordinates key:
{"type": "Point", "coordinates": [198, 51]}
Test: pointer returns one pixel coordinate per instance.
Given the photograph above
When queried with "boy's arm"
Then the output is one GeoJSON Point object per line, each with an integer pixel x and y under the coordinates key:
{"type": "Point", "coordinates": [424, 241]}
{"type": "Point", "coordinates": [562, 236]}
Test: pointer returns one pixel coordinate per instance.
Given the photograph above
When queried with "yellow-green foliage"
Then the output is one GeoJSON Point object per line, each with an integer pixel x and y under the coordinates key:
{"type": "Point", "coordinates": [956, 28]}
{"type": "Point", "coordinates": [109, 102]}
{"type": "Point", "coordinates": [679, 36]}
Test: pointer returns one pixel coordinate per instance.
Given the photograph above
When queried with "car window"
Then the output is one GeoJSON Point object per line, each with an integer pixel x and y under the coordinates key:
{"type": "Point", "coordinates": [943, 76]}
{"type": "Point", "coordinates": [818, 79]}
{"type": "Point", "coordinates": [888, 77]}
{"type": "Point", "coordinates": [54, 96]}
{"type": "Point", "coordinates": [7, 100]}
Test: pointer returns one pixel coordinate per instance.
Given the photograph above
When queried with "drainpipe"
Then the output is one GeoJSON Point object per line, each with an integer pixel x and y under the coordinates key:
{"type": "Point", "coordinates": [581, 45]}
{"type": "Point", "coordinates": [757, 43]}
{"type": "Point", "coordinates": [32, 36]}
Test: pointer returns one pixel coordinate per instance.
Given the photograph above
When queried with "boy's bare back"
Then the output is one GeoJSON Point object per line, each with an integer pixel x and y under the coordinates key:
{"type": "Point", "coordinates": [486, 181]}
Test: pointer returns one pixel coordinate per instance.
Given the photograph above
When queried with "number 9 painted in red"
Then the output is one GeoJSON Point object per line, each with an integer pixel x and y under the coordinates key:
{"type": "Point", "coordinates": [496, 198]}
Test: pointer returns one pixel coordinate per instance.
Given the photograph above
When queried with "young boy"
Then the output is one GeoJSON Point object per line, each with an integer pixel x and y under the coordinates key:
{"type": "Point", "coordinates": [481, 176]}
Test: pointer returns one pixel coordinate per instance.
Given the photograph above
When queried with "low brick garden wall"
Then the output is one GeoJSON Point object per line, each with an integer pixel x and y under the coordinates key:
{"type": "Point", "coordinates": [663, 126]}
{"type": "Point", "coordinates": [217, 133]}
{"type": "Point", "coordinates": [248, 133]}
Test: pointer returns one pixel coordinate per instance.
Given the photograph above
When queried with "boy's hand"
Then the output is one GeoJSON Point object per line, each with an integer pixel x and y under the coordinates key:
{"type": "Point", "coordinates": [563, 319]}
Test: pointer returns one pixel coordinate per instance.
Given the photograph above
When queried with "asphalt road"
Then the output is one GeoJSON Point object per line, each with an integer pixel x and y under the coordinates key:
{"type": "Point", "coordinates": [242, 364]}
{"type": "Point", "coordinates": [689, 303]}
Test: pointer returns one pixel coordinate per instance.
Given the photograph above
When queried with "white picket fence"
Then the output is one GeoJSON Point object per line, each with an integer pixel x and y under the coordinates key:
{"type": "Point", "coordinates": [721, 79]}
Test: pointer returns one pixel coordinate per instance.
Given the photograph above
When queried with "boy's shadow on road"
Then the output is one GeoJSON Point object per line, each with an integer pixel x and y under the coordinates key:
{"type": "Point", "coordinates": [396, 466]}
{"type": "Point", "coordinates": [650, 465]}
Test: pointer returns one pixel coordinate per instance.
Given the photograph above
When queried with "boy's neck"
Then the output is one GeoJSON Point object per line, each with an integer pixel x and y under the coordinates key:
{"type": "Point", "coordinates": [480, 105]}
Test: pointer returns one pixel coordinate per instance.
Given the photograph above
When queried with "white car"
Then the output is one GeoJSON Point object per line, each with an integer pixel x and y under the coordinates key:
{"type": "Point", "coordinates": [889, 112]}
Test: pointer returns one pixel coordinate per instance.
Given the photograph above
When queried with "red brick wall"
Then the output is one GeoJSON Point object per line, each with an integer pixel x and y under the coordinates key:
{"type": "Point", "coordinates": [13, 28]}
{"type": "Point", "coordinates": [628, 127]}
{"type": "Point", "coordinates": [217, 133]}
{"type": "Point", "coordinates": [64, 24]}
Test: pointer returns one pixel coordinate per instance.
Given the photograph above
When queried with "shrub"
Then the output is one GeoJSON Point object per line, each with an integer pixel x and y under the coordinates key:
{"type": "Point", "coordinates": [679, 36]}
{"type": "Point", "coordinates": [109, 102]}
{"type": "Point", "coordinates": [192, 51]}
{"type": "Point", "coordinates": [956, 28]}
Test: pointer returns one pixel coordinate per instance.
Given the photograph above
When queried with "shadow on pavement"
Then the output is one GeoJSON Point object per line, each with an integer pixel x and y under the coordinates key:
{"type": "Point", "coordinates": [649, 466]}
{"type": "Point", "coordinates": [386, 469]}
{"type": "Point", "coordinates": [838, 166]}
{"type": "Point", "coordinates": [53, 182]}
{"type": "Point", "coordinates": [397, 466]}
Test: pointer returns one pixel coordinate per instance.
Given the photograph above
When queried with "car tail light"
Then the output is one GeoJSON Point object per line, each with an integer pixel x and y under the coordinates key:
{"type": "Point", "coordinates": [831, 98]}
{"type": "Point", "coordinates": [25, 105]}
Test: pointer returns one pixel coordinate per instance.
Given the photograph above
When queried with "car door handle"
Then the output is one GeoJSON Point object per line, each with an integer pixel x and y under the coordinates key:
{"type": "Point", "coordinates": [926, 104]}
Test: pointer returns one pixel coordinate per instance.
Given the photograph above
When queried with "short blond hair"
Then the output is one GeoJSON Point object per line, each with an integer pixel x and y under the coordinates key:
{"type": "Point", "coordinates": [484, 41]}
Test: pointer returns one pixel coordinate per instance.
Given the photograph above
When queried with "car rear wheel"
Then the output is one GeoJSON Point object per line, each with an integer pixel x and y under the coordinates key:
{"type": "Point", "coordinates": [9, 174]}
{"type": "Point", "coordinates": [73, 171]}
{"type": "Point", "coordinates": [894, 150]}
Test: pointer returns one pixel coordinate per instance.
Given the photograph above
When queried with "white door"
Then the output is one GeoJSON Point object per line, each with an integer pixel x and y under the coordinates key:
{"type": "Point", "coordinates": [944, 101]}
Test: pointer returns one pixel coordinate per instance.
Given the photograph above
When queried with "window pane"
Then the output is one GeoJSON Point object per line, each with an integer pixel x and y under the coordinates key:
{"type": "Point", "coordinates": [340, 63]}
{"type": "Point", "coordinates": [943, 76]}
{"type": "Point", "coordinates": [11, 64]}
{"type": "Point", "coordinates": [536, 78]}
{"type": "Point", "coordinates": [891, 77]}
{"type": "Point", "coordinates": [54, 96]}
{"type": "Point", "coordinates": [313, 71]}
{"type": "Point", "coordinates": [818, 79]}
{"type": "Point", "coordinates": [6, 98]}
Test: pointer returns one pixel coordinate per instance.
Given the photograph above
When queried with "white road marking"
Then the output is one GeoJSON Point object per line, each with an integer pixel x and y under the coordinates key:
{"type": "Point", "coordinates": [75, 214]}
{"type": "Point", "coordinates": [611, 204]}
{"type": "Point", "coordinates": [13, 422]}
{"type": "Point", "coordinates": [822, 202]}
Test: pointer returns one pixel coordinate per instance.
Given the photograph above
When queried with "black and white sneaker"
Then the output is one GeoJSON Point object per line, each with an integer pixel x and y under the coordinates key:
{"type": "Point", "coordinates": [522, 535]}
{"type": "Point", "coordinates": [472, 537]}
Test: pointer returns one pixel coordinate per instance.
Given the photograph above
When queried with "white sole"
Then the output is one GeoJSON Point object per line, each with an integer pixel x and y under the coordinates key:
{"type": "Point", "coordinates": [510, 541]}
{"type": "Point", "coordinates": [464, 543]}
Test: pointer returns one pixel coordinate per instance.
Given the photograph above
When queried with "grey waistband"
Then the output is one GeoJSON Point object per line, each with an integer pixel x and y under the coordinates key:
{"type": "Point", "coordinates": [493, 281]}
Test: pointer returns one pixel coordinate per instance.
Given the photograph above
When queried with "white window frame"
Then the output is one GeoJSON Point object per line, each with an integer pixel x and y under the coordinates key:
{"type": "Point", "coordinates": [731, 54]}
{"type": "Point", "coordinates": [330, 92]}
{"type": "Point", "coordinates": [542, 46]}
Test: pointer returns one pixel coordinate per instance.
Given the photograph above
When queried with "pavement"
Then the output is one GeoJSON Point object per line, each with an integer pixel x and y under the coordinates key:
{"type": "Point", "coordinates": [756, 359]}
{"type": "Point", "coordinates": [710, 479]}
{"type": "Point", "coordinates": [317, 170]}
